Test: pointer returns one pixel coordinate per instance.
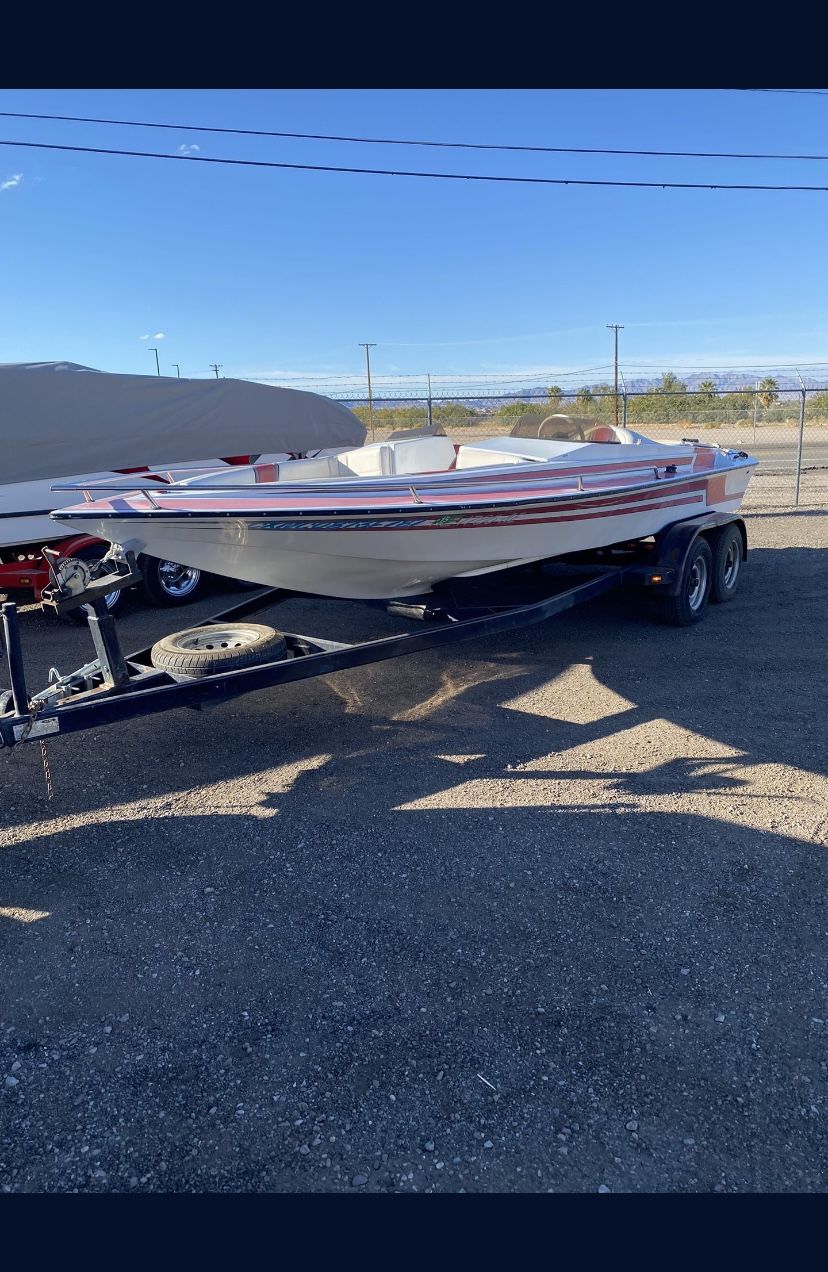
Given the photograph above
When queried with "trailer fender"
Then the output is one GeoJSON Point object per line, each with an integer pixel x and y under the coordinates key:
{"type": "Point", "coordinates": [71, 547]}
{"type": "Point", "coordinates": [673, 546]}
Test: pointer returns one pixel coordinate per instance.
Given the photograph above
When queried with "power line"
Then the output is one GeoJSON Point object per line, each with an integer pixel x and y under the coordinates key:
{"type": "Point", "coordinates": [799, 92]}
{"type": "Point", "coordinates": [440, 145]}
{"type": "Point", "coordinates": [400, 172]}
{"type": "Point", "coordinates": [489, 379]}
{"type": "Point", "coordinates": [478, 377]}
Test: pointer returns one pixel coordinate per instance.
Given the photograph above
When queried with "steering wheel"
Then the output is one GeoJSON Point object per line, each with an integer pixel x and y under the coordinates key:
{"type": "Point", "coordinates": [571, 422]}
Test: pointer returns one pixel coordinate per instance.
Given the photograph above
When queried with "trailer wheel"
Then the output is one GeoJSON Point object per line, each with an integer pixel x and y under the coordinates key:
{"type": "Point", "coordinates": [114, 601]}
{"type": "Point", "coordinates": [202, 651]}
{"type": "Point", "coordinates": [167, 583]}
{"type": "Point", "coordinates": [689, 605]}
{"type": "Point", "coordinates": [727, 564]}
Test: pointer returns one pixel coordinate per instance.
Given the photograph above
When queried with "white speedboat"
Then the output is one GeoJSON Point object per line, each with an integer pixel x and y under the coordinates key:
{"type": "Point", "coordinates": [394, 518]}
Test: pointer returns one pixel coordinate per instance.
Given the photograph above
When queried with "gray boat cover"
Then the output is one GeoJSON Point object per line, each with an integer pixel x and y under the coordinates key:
{"type": "Point", "coordinates": [58, 419]}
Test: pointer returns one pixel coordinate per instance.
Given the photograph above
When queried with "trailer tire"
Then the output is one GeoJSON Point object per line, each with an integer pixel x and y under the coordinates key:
{"type": "Point", "coordinates": [115, 601]}
{"type": "Point", "coordinates": [203, 651]}
{"type": "Point", "coordinates": [166, 584]}
{"type": "Point", "coordinates": [728, 554]}
{"type": "Point", "coordinates": [689, 605]}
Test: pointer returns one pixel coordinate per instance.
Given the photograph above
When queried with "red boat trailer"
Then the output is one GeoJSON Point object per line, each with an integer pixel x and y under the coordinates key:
{"type": "Point", "coordinates": [25, 567]}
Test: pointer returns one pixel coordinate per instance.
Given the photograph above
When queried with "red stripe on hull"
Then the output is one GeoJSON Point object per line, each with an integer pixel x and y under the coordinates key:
{"type": "Point", "coordinates": [474, 521]}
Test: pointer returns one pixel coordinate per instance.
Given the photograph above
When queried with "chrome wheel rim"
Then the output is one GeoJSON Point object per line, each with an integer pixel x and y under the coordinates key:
{"type": "Point", "coordinates": [218, 638]}
{"type": "Point", "coordinates": [178, 580]}
{"type": "Point", "coordinates": [698, 583]}
{"type": "Point", "coordinates": [732, 562]}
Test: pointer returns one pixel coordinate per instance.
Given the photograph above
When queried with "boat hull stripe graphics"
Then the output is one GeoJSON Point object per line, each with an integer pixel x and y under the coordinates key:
{"type": "Point", "coordinates": [246, 507]}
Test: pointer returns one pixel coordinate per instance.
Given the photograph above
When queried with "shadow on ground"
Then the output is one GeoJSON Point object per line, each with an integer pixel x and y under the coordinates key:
{"type": "Point", "coordinates": [516, 915]}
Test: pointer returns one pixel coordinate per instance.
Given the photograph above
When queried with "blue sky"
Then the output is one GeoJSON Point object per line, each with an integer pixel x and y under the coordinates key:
{"type": "Point", "coordinates": [279, 273]}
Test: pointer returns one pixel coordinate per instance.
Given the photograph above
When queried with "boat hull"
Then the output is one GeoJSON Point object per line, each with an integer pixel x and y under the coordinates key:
{"type": "Point", "coordinates": [381, 555]}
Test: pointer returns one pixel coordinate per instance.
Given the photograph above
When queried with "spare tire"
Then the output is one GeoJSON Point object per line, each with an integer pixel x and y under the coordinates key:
{"type": "Point", "coordinates": [203, 651]}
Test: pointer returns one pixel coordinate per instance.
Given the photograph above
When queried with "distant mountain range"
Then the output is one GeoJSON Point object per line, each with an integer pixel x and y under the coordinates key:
{"type": "Point", "coordinates": [727, 381]}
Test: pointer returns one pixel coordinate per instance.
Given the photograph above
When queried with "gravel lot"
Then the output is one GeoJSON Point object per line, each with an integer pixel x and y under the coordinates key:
{"type": "Point", "coordinates": [543, 912]}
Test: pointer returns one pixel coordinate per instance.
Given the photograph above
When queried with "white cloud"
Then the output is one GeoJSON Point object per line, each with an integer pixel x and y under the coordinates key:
{"type": "Point", "coordinates": [11, 182]}
{"type": "Point", "coordinates": [159, 335]}
{"type": "Point", "coordinates": [188, 149]}
{"type": "Point", "coordinates": [144, 337]}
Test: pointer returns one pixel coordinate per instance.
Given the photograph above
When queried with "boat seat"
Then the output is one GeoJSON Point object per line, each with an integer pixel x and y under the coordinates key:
{"type": "Point", "coordinates": [482, 457]}
{"type": "Point", "coordinates": [421, 454]}
{"type": "Point", "coordinates": [602, 433]}
{"type": "Point", "coordinates": [398, 458]}
{"type": "Point", "coordinates": [433, 454]}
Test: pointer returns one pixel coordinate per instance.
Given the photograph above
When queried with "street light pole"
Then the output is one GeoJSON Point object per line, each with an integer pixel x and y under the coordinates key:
{"type": "Point", "coordinates": [616, 327]}
{"type": "Point", "coordinates": [367, 348]}
{"type": "Point", "coordinates": [177, 369]}
{"type": "Point", "coordinates": [157, 363]}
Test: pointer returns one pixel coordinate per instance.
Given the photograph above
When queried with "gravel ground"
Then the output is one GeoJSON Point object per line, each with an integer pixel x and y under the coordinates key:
{"type": "Point", "coordinates": [542, 912]}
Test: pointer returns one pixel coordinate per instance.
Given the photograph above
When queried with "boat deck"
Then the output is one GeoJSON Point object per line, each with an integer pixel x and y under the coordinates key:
{"type": "Point", "coordinates": [526, 483]}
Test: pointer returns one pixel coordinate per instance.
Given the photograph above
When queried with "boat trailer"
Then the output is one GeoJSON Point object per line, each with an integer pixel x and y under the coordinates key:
{"type": "Point", "coordinates": [114, 686]}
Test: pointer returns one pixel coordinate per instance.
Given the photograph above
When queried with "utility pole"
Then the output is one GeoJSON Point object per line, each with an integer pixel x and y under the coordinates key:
{"type": "Point", "coordinates": [157, 364]}
{"type": "Point", "coordinates": [367, 348]}
{"type": "Point", "coordinates": [616, 327]}
{"type": "Point", "coordinates": [177, 369]}
{"type": "Point", "coordinates": [216, 366]}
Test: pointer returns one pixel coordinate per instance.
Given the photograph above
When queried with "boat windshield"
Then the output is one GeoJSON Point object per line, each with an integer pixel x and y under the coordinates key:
{"type": "Point", "coordinates": [564, 428]}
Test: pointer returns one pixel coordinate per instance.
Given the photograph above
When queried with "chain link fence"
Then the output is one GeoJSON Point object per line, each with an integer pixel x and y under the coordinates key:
{"type": "Point", "coordinates": [786, 430]}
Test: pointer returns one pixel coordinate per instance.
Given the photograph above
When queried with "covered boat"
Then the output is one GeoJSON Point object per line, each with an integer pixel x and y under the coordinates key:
{"type": "Point", "coordinates": [394, 518]}
{"type": "Point", "coordinates": [58, 419]}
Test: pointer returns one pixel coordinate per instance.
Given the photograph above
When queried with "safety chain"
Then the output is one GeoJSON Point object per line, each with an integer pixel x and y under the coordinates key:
{"type": "Point", "coordinates": [35, 708]}
{"type": "Point", "coordinates": [47, 772]}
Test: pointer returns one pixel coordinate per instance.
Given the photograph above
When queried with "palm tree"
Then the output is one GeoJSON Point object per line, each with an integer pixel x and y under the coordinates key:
{"type": "Point", "coordinates": [554, 393]}
{"type": "Point", "coordinates": [584, 400]}
{"type": "Point", "coordinates": [707, 390]}
{"type": "Point", "coordinates": [670, 383]}
{"type": "Point", "coordinates": [768, 391]}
